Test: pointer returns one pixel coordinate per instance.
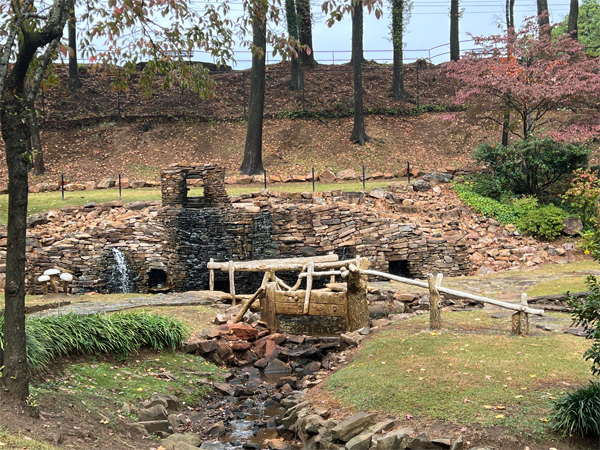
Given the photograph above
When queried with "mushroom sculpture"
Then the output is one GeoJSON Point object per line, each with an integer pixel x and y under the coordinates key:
{"type": "Point", "coordinates": [53, 273]}
{"type": "Point", "coordinates": [44, 280]}
{"type": "Point", "coordinates": [66, 279]}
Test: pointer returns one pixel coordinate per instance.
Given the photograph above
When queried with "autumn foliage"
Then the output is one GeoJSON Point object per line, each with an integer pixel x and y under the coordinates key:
{"type": "Point", "coordinates": [529, 75]}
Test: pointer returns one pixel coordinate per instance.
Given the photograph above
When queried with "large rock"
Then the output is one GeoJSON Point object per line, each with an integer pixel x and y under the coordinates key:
{"type": "Point", "coordinates": [347, 174]}
{"type": "Point", "coordinates": [327, 176]}
{"type": "Point", "coordinates": [421, 186]}
{"type": "Point", "coordinates": [171, 401]}
{"type": "Point", "coordinates": [175, 441]}
{"type": "Point", "coordinates": [396, 439]}
{"type": "Point", "coordinates": [421, 442]}
{"type": "Point", "coordinates": [156, 412]}
{"type": "Point", "coordinates": [156, 426]}
{"type": "Point", "coordinates": [353, 426]}
{"type": "Point", "coordinates": [107, 183]}
{"type": "Point", "coordinates": [213, 445]}
{"type": "Point", "coordinates": [360, 442]}
{"type": "Point", "coordinates": [572, 226]}
{"type": "Point", "coordinates": [224, 388]}
{"type": "Point", "coordinates": [277, 366]}
{"type": "Point", "coordinates": [438, 177]}
{"type": "Point", "coordinates": [244, 331]}
{"type": "Point", "coordinates": [217, 429]}
{"type": "Point", "coordinates": [458, 444]}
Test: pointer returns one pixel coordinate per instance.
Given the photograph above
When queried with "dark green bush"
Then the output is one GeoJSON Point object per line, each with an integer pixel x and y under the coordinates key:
{"type": "Point", "coordinates": [545, 222]}
{"type": "Point", "coordinates": [532, 166]}
{"type": "Point", "coordinates": [578, 412]}
{"type": "Point", "coordinates": [54, 336]}
{"type": "Point", "coordinates": [488, 185]}
{"type": "Point", "coordinates": [586, 313]}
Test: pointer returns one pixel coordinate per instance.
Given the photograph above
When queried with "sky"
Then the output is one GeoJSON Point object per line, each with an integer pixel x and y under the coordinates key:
{"type": "Point", "coordinates": [429, 27]}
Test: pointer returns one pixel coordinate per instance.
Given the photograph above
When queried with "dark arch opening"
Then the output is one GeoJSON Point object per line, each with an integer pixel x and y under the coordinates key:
{"type": "Point", "coordinates": [157, 279]}
{"type": "Point", "coordinates": [400, 268]}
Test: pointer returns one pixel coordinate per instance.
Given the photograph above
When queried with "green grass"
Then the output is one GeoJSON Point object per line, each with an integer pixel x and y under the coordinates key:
{"type": "Point", "coordinates": [47, 201]}
{"type": "Point", "coordinates": [559, 286]}
{"type": "Point", "coordinates": [472, 372]}
{"type": "Point", "coordinates": [107, 382]}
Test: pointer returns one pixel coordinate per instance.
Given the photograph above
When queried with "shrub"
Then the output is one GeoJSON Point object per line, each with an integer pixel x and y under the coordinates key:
{"type": "Point", "coordinates": [586, 313]}
{"type": "Point", "coordinates": [578, 412]}
{"type": "Point", "coordinates": [502, 212]}
{"type": "Point", "coordinates": [545, 222]}
{"type": "Point", "coordinates": [532, 166]}
{"type": "Point", "coordinates": [54, 336]}
{"type": "Point", "coordinates": [583, 194]}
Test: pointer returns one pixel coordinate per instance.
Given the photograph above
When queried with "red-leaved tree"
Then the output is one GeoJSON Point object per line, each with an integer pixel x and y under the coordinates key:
{"type": "Point", "coordinates": [530, 74]}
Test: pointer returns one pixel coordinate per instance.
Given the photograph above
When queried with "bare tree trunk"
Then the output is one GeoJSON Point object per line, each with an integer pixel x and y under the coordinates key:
{"type": "Point", "coordinates": [292, 25]}
{"type": "Point", "coordinates": [397, 42]}
{"type": "Point", "coordinates": [454, 34]}
{"type": "Point", "coordinates": [305, 29]}
{"type": "Point", "coordinates": [358, 133]}
{"type": "Point", "coordinates": [543, 17]}
{"type": "Point", "coordinates": [252, 164]}
{"type": "Point", "coordinates": [510, 14]}
{"type": "Point", "coordinates": [74, 80]}
{"type": "Point", "coordinates": [573, 17]}
{"type": "Point", "coordinates": [15, 132]}
{"type": "Point", "coordinates": [36, 144]}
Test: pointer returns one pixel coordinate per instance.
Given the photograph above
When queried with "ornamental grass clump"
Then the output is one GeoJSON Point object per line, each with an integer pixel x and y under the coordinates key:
{"type": "Point", "coordinates": [118, 334]}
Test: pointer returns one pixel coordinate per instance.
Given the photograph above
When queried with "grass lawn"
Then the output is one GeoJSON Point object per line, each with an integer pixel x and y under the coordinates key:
{"type": "Point", "coordinates": [105, 383]}
{"type": "Point", "coordinates": [559, 286]}
{"type": "Point", "coordinates": [197, 318]}
{"type": "Point", "coordinates": [473, 371]}
{"type": "Point", "coordinates": [47, 201]}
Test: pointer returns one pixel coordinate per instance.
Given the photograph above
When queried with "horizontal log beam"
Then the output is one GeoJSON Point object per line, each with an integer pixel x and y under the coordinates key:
{"type": "Point", "coordinates": [264, 265]}
{"type": "Point", "coordinates": [515, 307]}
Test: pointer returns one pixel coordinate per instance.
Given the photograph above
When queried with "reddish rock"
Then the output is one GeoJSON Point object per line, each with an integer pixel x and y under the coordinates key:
{"type": "Point", "coordinates": [224, 329]}
{"type": "Point", "coordinates": [240, 346]}
{"type": "Point", "coordinates": [327, 176]}
{"type": "Point", "coordinates": [347, 174]}
{"type": "Point", "coordinates": [243, 331]}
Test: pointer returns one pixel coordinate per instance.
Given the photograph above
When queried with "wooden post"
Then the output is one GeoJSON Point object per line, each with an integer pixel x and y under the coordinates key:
{"type": "Point", "coordinates": [232, 282]}
{"type": "Point", "coordinates": [520, 320]}
{"type": "Point", "coordinates": [267, 308]}
{"type": "Point", "coordinates": [248, 304]}
{"type": "Point", "coordinates": [435, 319]}
{"type": "Point", "coordinates": [211, 277]}
{"type": "Point", "coordinates": [309, 280]}
{"type": "Point", "coordinates": [358, 309]}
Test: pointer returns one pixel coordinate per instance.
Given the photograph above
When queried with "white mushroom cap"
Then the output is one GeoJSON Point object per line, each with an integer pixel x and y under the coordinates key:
{"type": "Point", "coordinates": [43, 278]}
{"type": "Point", "coordinates": [66, 277]}
{"type": "Point", "coordinates": [52, 272]}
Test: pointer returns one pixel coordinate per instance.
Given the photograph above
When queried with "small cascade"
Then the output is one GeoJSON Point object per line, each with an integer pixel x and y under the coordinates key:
{"type": "Point", "coordinates": [121, 278]}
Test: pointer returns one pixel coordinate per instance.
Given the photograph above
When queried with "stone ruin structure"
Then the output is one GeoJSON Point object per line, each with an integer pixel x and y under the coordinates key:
{"type": "Point", "coordinates": [167, 245]}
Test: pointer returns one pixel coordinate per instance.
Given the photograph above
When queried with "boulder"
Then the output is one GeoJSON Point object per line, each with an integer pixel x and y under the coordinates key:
{"type": "Point", "coordinates": [224, 388]}
{"type": "Point", "coordinates": [71, 187]}
{"type": "Point", "coordinates": [353, 426]}
{"type": "Point", "coordinates": [107, 183]}
{"type": "Point", "coordinates": [360, 442]}
{"type": "Point", "coordinates": [155, 413]}
{"type": "Point", "coordinates": [217, 429]}
{"type": "Point", "coordinates": [421, 442]}
{"type": "Point", "coordinates": [572, 226]}
{"type": "Point", "coordinates": [421, 186]}
{"type": "Point", "coordinates": [377, 193]}
{"type": "Point", "coordinates": [327, 176]}
{"type": "Point", "coordinates": [347, 174]}
{"type": "Point", "coordinates": [156, 426]}
{"type": "Point", "coordinates": [458, 444]}
{"type": "Point", "coordinates": [175, 440]}
{"type": "Point", "coordinates": [396, 439]}
{"type": "Point", "coordinates": [213, 445]}
{"type": "Point", "coordinates": [244, 331]}
{"type": "Point", "coordinates": [277, 366]}
{"type": "Point", "coordinates": [138, 184]}
{"type": "Point", "coordinates": [171, 401]}
{"type": "Point", "coordinates": [438, 177]}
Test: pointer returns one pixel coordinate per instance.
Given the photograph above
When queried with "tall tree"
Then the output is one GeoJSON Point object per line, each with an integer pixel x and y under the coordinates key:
{"type": "Point", "coordinates": [454, 34]}
{"type": "Point", "coordinates": [510, 27]}
{"type": "Point", "coordinates": [573, 16]}
{"type": "Point", "coordinates": [543, 14]}
{"type": "Point", "coordinates": [26, 32]}
{"type": "Point", "coordinates": [37, 154]}
{"type": "Point", "coordinates": [252, 163]}
{"type": "Point", "coordinates": [292, 26]}
{"type": "Point", "coordinates": [510, 14]}
{"type": "Point", "coordinates": [587, 28]}
{"type": "Point", "coordinates": [359, 134]}
{"type": "Point", "coordinates": [400, 16]}
{"type": "Point", "coordinates": [305, 29]}
{"type": "Point", "coordinates": [74, 80]}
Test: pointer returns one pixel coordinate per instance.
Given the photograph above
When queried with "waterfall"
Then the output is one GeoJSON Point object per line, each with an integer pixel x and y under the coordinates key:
{"type": "Point", "coordinates": [121, 278]}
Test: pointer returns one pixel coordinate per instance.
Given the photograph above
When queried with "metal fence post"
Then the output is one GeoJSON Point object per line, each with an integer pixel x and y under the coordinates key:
{"type": "Point", "coordinates": [62, 185]}
{"type": "Point", "coordinates": [119, 186]}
